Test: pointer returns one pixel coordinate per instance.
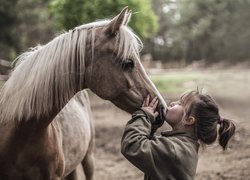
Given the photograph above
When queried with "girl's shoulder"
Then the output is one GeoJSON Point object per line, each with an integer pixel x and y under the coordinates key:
{"type": "Point", "coordinates": [181, 140]}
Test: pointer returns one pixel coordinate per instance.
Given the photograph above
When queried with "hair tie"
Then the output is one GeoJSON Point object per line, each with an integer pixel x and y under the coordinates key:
{"type": "Point", "coordinates": [220, 121]}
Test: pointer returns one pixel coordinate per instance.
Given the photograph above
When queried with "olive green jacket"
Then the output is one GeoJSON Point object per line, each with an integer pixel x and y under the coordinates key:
{"type": "Point", "coordinates": [173, 155]}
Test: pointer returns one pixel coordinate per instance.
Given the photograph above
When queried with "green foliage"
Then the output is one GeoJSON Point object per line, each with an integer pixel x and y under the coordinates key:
{"type": "Point", "coordinates": [172, 30]}
{"type": "Point", "coordinates": [70, 13]}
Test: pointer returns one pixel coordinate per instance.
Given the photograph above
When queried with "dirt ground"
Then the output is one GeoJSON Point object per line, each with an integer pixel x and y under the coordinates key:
{"type": "Point", "coordinates": [231, 92]}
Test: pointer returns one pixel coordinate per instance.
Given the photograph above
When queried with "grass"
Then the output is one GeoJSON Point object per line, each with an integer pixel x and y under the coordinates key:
{"type": "Point", "coordinates": [177, 82]}
{"type": "Point", "coordinates": [223, 83]}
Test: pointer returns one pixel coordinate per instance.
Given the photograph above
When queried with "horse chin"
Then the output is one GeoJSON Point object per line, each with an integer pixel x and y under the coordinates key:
{"type": "Point", "coordinates": [126, 104]}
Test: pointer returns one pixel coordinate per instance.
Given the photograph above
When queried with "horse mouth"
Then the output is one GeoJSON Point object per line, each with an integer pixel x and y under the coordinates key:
{"type": "Point", "coordinates": [161, 110]}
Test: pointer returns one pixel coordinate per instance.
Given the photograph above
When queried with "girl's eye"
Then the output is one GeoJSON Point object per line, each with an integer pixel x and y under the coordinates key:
{"type": "Point", "coordinates": [175, 103]}
{"type": "Point", "coordinates": [128, 64]}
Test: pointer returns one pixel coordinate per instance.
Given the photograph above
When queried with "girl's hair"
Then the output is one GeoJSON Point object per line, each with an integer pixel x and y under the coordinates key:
{"type": "Point", "coordinates": [206, 112]}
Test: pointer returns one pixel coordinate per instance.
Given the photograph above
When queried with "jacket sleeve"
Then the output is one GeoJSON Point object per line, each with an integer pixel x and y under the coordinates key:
{"type": "Point", "coordinates": [150, 155]}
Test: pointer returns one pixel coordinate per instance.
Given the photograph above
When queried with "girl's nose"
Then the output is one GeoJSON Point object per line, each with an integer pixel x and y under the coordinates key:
{"type": "Point", "coordinates": [166, 110]}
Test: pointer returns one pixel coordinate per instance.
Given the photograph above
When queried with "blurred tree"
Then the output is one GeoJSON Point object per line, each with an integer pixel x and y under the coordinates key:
{"type": "Point", "coordinates": [71, 13]}
{"type": "Point", "coordinates": [158, 45]}
{"type": "Point", "coordinates": [196, 29]}
{"type": "Point", "coordinates": [35, 24]}
{"type": "Point", "coordinates": [188, 30]}
{"type": "Point", "coordinates": [8, 38]}
{"type": "Point", "coordinates": [23, 24]}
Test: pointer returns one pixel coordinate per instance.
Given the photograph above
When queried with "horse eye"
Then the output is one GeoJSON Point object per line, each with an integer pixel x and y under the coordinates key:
{"type": "Point", "coordinates": [128, 64]}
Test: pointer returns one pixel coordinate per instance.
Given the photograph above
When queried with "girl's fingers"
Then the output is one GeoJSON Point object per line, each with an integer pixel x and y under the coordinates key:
{"type": "Point", "coordinates": [153, 101]}
{"type": "Point", "coordinates": [147, 100]}
{"type": "Point", "coordinates": [143, 103]}
{"type": "Point", "coordinates": [155, 104]}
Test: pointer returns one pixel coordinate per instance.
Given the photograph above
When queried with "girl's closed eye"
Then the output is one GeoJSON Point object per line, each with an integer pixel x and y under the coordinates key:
{"type": "Point", "coordinates": [175, 103]}
{"type": "Point", "coordinates": [172, 104]}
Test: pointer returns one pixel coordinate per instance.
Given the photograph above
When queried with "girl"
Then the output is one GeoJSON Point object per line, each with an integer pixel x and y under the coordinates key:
{"type": "Point", "coordinates": [174, 155]}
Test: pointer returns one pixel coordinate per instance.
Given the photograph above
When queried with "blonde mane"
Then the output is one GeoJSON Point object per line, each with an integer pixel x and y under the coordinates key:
{"type": "Point", "coordinates": [45, 77]}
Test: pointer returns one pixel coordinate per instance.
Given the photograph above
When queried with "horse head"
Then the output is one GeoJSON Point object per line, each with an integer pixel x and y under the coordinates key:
{"type": "Point", "coordinates": [113, 69]}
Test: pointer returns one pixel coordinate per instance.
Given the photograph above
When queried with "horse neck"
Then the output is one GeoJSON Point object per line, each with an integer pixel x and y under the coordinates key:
{"type": "Point", "coordinates": [46, 79]}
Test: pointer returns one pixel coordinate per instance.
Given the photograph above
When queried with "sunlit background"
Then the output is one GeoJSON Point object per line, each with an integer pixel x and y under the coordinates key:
{"type": "Point", "coordinates": [188, 44]}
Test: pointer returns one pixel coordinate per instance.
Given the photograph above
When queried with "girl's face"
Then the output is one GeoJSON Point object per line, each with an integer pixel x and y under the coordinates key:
{"type": "Point", "coordinates": [174, 113]}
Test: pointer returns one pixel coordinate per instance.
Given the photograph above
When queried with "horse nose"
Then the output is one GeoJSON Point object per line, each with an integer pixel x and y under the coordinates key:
{"type": "Point", "coordinates": [161, 110]}
{"type": "Point", "coordinates": [161, 117]}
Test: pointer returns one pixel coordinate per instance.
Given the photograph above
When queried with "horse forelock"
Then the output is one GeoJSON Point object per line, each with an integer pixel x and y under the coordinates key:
{"type": "Point", "coordinates": [129, 44]}
{"type": "Point", "coordinates": [44, 76]}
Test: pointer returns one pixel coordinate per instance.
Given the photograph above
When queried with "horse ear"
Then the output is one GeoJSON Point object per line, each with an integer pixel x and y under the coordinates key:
{"type": "Point", "coordinates": [117, 22]}
{"type": "Point", "coordinates": [128, 16]}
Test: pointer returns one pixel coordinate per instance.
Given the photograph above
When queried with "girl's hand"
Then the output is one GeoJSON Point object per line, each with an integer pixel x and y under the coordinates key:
{"type": "Point", "coordinates": [151, 106]}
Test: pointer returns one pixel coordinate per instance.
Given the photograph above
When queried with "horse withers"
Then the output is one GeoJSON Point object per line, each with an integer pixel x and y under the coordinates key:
{"type": "Point", "coordinates": [37, 140]}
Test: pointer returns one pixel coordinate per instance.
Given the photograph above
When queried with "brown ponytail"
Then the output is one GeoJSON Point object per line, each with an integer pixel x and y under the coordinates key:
{"type": "Point", "coordinates": [226, 131]}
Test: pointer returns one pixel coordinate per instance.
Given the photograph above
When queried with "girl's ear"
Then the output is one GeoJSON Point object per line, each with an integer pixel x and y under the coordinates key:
{"type": "Point", "coordinates": [190, 120]}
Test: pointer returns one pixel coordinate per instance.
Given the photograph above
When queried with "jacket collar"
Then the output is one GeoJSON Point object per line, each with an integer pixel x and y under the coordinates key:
{"type": "Point", "coordinates": [179, 133]}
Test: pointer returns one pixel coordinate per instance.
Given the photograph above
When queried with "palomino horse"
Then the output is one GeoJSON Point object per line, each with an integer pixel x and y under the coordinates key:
{"type": "Point", "coordinates": [38, 144]}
